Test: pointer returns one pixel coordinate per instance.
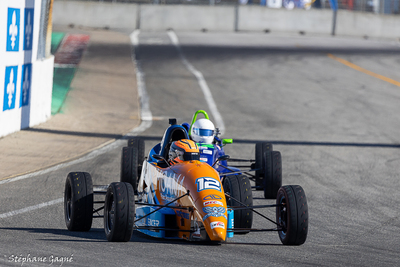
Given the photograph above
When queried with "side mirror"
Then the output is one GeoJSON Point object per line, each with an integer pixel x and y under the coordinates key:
{"type": "Point", "coordinates": [158, 157]}
{"type": "Point", "coordinates": [222, 158]}
{"type": "Point", "coordinates": [227, 141]}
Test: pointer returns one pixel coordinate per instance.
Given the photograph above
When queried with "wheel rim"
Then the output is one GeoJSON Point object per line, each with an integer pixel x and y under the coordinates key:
{"type": "Point", "coordinates": [68, 201]}
{"type": "Point", "coordinates": [110, 213]}
{"type": "Point", "coordinates": [283, 216]}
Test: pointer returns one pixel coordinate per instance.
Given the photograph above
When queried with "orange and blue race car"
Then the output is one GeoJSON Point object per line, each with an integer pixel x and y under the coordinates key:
{"type": "Point", "coordinates": [172, 194]}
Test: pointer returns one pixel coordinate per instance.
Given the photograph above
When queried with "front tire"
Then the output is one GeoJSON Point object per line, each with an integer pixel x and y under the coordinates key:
{"type": "Point", "coordinates": [119, 212]}
{"type": "Point", "coordinates": [78, 201]}
{"type": "Point", "coordinates": [292, 214]}
{"type": "Point", "coordinates": [239, 188]}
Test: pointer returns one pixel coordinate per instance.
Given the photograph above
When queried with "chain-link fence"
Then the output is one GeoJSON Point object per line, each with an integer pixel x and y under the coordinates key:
{"type": "Point", "coordinates": [375, 6]}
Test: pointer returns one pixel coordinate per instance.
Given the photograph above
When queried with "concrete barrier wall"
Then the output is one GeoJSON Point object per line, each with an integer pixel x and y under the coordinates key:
{"type": "Point", "coordinates": [186, 18]}
{"type": "Point", "coordinates": [255, 18]}
{"type": "Point", "coordinates": [25, 81]}
{"type": "Point", "coordinates": [222, 18]}
{"type": "Point", "coordinates": [95, 14]}
{"type": "Point", "coordinates": [365, 24]}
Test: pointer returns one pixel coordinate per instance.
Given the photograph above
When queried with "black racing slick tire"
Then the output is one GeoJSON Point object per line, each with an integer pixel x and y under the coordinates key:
{"type": "Point", "coordinates": [138, 143]}
{"type": "Point", "coordinates": [261, 148]}
{"type": "Point", "coordinates": [292, 215]}
{"type": "Point", "coordinates": [78, 201]}
{"type": "Point", "coordinates": [273, 174]}
{"type": "Point", "coordinates": [119, 212]}
{"type": "Point", "coordinates": [239, 189]}
{"type": "Point", "coordinates": [129, 166]}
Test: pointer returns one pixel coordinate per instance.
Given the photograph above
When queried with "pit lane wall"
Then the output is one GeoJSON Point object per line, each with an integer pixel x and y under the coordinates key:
{"type": "Point", "coordinates": [222, 18]}
{"type": "Point", "coordinates": [26, 76]}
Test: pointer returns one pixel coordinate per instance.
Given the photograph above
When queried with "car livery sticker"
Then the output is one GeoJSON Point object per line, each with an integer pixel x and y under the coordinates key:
{"type": "Point", "coordinates": [214, 212]}
{"type": "Point", "coordinates": [152, 222]}
{"type": "Point", "coordinates": [213, 202]}
{"type": "Point", "coordinates": [171, 186]}
{"type": "Point", "coordinates": [206, 151]}
{"type": "Point", "coordinates": [182, 214]}
{"type": "Point", "coordinates": [211, 197]}
{"type": "Point", "coordinates": [204, 183]}
{"type": "Point", "coordinates": [217, 225]}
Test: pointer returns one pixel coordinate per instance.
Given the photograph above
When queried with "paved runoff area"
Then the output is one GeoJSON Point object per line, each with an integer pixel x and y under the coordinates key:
{"type": "Point", "coordinates": [101, 105]}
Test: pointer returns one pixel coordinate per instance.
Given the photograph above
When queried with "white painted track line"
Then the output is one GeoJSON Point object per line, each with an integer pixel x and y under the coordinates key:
{"type": "Point", "coordinates": [202, 82]}
{"type": "Point", "coordinates": [31, 208]}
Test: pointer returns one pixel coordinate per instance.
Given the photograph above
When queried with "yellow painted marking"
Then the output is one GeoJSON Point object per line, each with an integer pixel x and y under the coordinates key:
{"type": "Point", "coordinates": [373, 74]}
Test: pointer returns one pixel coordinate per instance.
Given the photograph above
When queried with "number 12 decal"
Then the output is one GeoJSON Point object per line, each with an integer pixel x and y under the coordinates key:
{"type": "Point", "coordinates": [207, 183]}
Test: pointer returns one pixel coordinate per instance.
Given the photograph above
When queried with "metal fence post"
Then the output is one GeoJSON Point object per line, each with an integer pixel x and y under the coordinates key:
{"type": "Point", "coordinates": [334, 22]}
{"type": "Point", "coordinates": [236, 18]}
{"type": "Point", "coordinates": [138, 17]}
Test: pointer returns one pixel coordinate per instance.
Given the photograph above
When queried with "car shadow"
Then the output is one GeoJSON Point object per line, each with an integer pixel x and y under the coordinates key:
{"type": "Point", "coordinates": [94, 235]}
{"type": "Point", "coordinates": [98, 235]}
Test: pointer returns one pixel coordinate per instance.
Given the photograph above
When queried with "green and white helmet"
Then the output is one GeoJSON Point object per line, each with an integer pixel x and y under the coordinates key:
{"type": "Point", "coordinates": [203, 131]}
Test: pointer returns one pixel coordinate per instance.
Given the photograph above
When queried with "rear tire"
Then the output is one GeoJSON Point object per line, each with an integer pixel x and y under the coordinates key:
{"type": "Point", "coordinates": [261, 148]}
{"type": "Point", "coordinates": [119, 212]}
{"type": "Point", "coordinates": [129, 167]}
{"type": "Point", "coordinates": [273, 174]}
{"type": "Point", "coordinates": [292, 214]}
{"type": "Point", "coordinates": [138, 143]}
{"type": "Point", "coordinates": [78, 201]}
{"type": "Point", "coordinates": [239, 187]}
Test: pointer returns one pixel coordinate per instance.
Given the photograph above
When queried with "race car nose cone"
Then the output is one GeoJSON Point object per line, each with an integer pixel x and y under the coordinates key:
{"type": "Point", "coordinates": [219, 234]}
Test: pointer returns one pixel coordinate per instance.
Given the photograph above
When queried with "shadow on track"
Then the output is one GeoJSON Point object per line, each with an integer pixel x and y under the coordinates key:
{"type": "Point", "coordinates": [94, 235]}
{"type": "Point", "coordinates": [98, 235]}
{"type": "Point", "coordinates": [236, 141]}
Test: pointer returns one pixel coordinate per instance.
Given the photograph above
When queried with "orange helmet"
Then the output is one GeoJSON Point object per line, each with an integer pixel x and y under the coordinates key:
{"type": "Point", "coordinates": [183, 150]}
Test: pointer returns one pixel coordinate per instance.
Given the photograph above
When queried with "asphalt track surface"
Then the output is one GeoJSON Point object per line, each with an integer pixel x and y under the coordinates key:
{"type": "Point", "coordinates": [336, 127]}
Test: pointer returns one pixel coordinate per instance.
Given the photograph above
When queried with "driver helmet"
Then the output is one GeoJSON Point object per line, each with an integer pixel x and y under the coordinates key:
{"type": "Point", "coordinates": [183, 150]}
{"type": "Point", "coordinates": [203, 131]}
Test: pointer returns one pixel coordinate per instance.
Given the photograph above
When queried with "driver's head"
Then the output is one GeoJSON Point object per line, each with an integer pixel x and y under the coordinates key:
{"type": "Point", "coordinates": [183, 150]}
{"type": "Point", "coordinates": [203, 131]}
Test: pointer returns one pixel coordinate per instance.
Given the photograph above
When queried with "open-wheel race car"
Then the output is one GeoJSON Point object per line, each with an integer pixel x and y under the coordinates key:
{"type": "Point", "coordinates": [186, 199]}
